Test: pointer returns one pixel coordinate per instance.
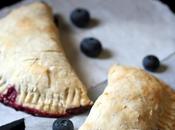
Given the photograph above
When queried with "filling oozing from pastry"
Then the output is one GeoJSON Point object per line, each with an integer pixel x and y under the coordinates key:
{"type": "Point", "coordinates": [9, 98]}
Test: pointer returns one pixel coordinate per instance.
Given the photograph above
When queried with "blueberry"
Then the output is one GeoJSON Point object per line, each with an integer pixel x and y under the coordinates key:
{"type": "Point", "coordinates": [91, 47]}
{"type": "Point", "coordinates": [80, 17]}
{"type": "Point", "coordinates": [151, 63]}
{"type": "Point", "coordinates": [62, 124]}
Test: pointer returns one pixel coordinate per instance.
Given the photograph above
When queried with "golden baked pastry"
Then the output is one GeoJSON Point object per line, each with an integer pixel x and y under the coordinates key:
{"type": "Point", "coordinates": [35, 75]}
{"type": "Point", "coordinates": [132, 100]}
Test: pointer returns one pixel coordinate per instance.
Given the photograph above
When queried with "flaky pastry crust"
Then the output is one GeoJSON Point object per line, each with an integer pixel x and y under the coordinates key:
{"type": "Point", "coordinates": [133, 100]}
{"type": "Point", "coordinates": [35, 75]}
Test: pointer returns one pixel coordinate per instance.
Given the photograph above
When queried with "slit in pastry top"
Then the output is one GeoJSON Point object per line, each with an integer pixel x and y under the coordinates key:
{"type": "Point", "coordinates": [35, 75]}
{"type": "Point", "coordinates": [132, 100]}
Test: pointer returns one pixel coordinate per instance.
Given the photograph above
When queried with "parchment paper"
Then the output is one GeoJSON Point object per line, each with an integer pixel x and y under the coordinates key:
{"type": "Point", "coordinates": [128, 30]}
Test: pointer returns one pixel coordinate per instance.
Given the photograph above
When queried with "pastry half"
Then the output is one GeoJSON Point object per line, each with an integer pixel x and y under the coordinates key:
{"type": "Point", "coordinates": [35, 75]}
{"type": "Point", "coordinates": [132, 100]}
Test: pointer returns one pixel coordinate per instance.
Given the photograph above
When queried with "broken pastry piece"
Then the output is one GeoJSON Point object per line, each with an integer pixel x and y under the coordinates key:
{"type": "Point", "coordinates": [132, 100]}
{"type": "Point", "coordinates": [35, 75]}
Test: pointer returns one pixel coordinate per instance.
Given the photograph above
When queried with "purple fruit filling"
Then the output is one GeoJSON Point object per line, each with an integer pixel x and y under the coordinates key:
{"type": "Point", "coordinates": [9, 99]}
{"type": "Point", "coordinates": [10, 96]}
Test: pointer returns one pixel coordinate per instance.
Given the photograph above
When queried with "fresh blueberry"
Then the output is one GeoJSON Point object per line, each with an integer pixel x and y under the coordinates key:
{"type": "Point", "coordinates": [151, 63]}
{"type": "Point", "coordinates": [62, 124]}
{"type": "Point", "coordinates": [80, 17]}
{"type": "Point", "coordinates": [91, 47]}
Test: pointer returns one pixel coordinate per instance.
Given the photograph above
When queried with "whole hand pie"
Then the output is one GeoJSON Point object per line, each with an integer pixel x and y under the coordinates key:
{"type": "Point", "coordinates": [132, 100]}
{"type": "Point", "coordinates": [35, 75]}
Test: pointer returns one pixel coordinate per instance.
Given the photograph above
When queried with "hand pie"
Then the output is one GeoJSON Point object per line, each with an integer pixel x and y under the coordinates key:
{"type": "Point", "coordinates": [35, 75]}
{"type": "Point", "coordinates": [132, 100]}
